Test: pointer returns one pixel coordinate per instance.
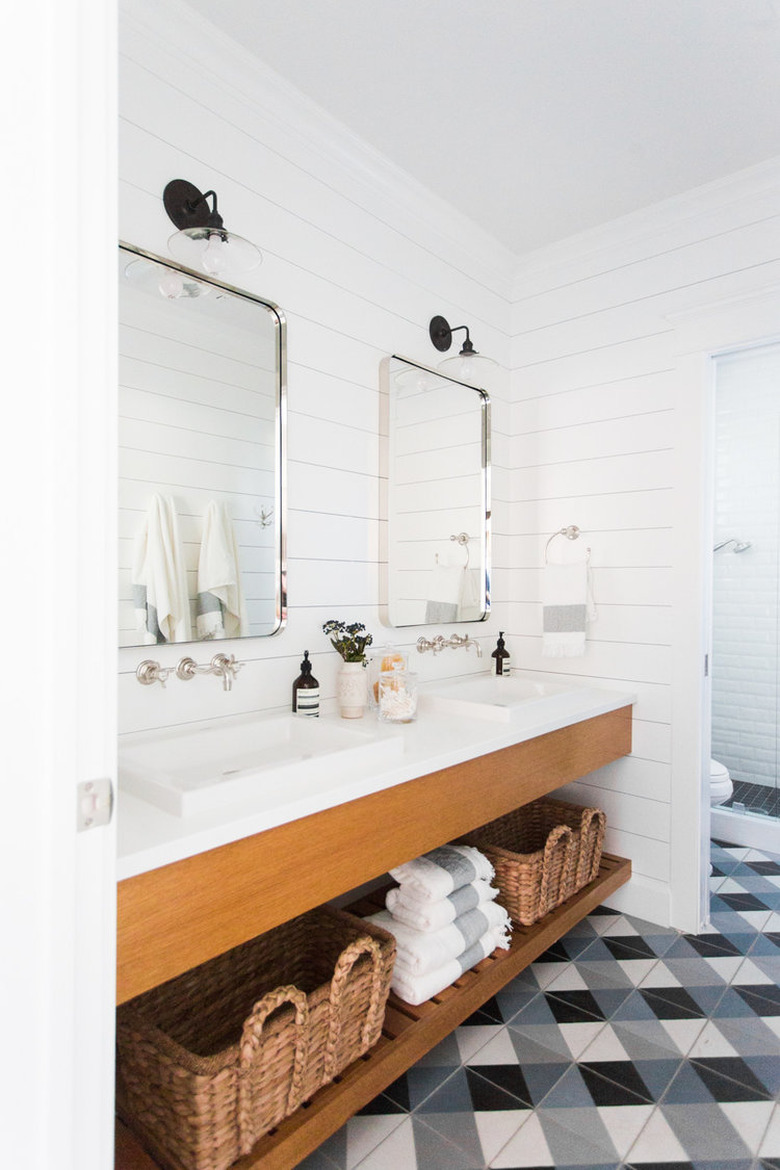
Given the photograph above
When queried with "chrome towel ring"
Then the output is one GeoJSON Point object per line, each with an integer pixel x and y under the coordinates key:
{"type": "Point", "coordinates": [571, 532]}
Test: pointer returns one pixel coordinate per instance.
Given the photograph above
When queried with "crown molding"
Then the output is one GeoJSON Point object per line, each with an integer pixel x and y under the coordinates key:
{"type": "Point", "coordinates": [646, 224]}
{"type": "Point", "coordinates": [318, 141]}
{"type": "Point", "coordinates": [718, 326]}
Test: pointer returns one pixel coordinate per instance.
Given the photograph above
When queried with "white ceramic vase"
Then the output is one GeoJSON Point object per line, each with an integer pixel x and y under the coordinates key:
{"type": "Point", "coordinates": [351, 691]}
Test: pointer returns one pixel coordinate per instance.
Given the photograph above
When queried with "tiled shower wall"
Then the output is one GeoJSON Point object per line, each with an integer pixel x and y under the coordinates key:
{"type": "Point", "coordinates": [745, 585]}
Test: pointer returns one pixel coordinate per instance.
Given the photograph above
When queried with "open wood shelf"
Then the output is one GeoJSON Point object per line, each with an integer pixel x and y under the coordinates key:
{"type": "Point", "coordinates": [409, 1032]}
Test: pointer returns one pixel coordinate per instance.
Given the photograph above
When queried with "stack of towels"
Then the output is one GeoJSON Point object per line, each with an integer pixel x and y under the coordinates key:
{"type": "Point", "coordinates": [444, 919]}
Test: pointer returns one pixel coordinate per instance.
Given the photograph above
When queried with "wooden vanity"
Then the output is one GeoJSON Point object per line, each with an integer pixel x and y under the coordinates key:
{"type": "Point", "coordinates": [179, 915]}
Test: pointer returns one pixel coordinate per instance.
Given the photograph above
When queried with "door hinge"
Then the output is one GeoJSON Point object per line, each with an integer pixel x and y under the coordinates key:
{"type": "Point", "coordinates": [706, 666]}
{"type": "Point", "coordinates": [95, 803]}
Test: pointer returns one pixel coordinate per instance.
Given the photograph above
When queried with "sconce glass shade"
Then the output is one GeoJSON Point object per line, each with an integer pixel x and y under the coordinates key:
{"type": "Point", "coordinates": [467, 367]}
{"type": "Point", "coordinates": [170, 283]}
{"type": "Point", "coordinates": [215, 251]}
{"type": "Point", "coordinates": [415, 380]}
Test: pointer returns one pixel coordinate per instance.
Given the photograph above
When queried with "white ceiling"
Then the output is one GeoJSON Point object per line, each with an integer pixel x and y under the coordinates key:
{"type": "Point", "coordinates": [536, 118]}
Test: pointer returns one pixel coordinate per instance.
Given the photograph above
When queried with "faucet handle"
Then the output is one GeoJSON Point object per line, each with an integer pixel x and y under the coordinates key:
{"type": "Point", "coordinates": [186, 669]}
{"type": "Point", "coordinates": [149, 671]}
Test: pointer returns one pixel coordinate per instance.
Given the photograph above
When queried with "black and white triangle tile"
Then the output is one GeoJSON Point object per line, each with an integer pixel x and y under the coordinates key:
{"type": "Point", "coordinates": [625, 1045]}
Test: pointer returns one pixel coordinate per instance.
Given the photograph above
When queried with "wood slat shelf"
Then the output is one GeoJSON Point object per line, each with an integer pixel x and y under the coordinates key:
{"type": "Point", "coordinates": [409, 1033]}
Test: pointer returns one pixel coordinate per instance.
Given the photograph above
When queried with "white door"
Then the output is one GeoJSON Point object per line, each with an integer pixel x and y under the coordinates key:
{"type": "Point", "coordinates": [56, 581]}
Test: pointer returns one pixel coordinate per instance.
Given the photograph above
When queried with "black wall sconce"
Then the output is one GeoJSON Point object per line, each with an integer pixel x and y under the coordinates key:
{"type": "Point", "coordinates": [468, 363]}
{"type": "Point", "coordinates": [202, 240]}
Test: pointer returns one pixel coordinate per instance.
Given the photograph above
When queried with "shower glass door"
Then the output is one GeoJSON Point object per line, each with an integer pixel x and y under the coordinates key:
{"type": "Point", "coordinates": [745, 651]}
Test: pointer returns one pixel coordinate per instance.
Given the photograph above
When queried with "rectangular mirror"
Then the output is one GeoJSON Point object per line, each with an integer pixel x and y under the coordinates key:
{"type": "Point", "coordinates": [201, 457]}
{"type": "Point", "coordinates": [438, 497]}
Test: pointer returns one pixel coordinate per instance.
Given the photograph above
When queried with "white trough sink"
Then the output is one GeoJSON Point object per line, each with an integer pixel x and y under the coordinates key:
{"type": "Point", "coordinates": [504, 700]}
{"type": "Point", "coordinates": [187, 771]}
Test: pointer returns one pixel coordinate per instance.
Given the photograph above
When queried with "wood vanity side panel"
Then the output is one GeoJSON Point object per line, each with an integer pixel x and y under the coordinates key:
{"type": "Point", "coordinates": [175, 917]}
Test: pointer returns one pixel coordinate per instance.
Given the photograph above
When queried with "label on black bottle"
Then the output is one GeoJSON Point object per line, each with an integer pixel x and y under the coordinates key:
{"type": "Point", "coordinates": [308, 701]}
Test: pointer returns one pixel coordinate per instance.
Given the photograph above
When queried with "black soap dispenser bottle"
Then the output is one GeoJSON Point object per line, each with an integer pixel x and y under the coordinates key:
{"type": "Point", "coordinates": [501, 655]}
{"type": "Point", "coordinates": [306, 691]}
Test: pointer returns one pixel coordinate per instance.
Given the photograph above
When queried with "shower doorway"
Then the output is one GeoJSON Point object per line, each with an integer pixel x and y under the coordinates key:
{"type": "Point", "coordinates": [745, 666]}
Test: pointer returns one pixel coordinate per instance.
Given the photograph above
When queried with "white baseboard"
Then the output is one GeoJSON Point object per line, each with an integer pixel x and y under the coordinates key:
{"type": "Point", "coordinates": [643, 898]}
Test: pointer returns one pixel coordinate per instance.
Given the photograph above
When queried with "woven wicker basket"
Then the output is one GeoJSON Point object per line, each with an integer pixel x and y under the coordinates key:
{"type": "Point", "coordinates": [206, 1062]}
{"type": "Point", "coordinates": [543, 853]}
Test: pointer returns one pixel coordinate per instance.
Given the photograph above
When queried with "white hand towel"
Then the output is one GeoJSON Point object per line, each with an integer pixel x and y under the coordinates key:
{"type": "Point", "coordinates": [436, 874]}
{"type": "Point", "coordinates": [416, 989]}
{"type": "Point", "coordinates": [159, 578]}
{"type": "Point", "coordinates": [221, 604]}
{"type": "Point", "coordinates": [421, 951]}
{"type": "Point", "coordinates": [427, 915]}
{"type": "Point", "coordinates": [567, 606]}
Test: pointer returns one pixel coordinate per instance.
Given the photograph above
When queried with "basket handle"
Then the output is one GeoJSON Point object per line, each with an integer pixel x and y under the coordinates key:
{"type": "Point", "coordinates": [364, 945]}
{"type": "Point", "coordinates": [588, 858]}
{"type": "Point", "coordinates": [251, 1037]}
{"type": "Point", "coordinates": [559, 833]}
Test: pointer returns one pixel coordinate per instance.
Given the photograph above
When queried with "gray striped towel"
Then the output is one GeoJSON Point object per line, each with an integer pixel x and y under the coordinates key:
{"type": "Point", "coordinates": [567, 606]}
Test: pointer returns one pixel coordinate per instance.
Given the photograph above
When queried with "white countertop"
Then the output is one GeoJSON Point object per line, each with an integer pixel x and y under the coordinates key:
{"type": "Point", "coordinates": [149, 838]}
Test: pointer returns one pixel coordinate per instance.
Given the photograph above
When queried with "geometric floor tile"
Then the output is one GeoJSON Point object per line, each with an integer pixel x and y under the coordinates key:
{"type": "Point", "coordinates": [527, 1148]}
{"type": "Point", "coordinates": [706, 1133]}
{"type": "Point", "coordinates": [576, 1136]}
{"type": "Point", "coordinates": [770, 1142]}
{"type": "Point", "coordinates": [574, 1007]}
{"type": "Point", "coordinates": [615, 1082]}
{"type": "Point", "coordinates": [657, 1145]}
{"type": "Point", "coordinates": [625, 1045]}
{"type": "Point", "coordinates": [673, 1003]}
{"type": "Point", "coordinates": [655, 1039]}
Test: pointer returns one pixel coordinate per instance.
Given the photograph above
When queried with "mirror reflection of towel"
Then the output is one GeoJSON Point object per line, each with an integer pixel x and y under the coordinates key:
{"type": "Point", "coordinates": [453, 595]}
{"type": "Point", "coordinates": [471, 608]}
{"type": "Point", "coordinates": [159, 579]}
{"type": "Point", "coordinates": [444, 593]}
{"type": "Point", "coordinates": [221, 604]}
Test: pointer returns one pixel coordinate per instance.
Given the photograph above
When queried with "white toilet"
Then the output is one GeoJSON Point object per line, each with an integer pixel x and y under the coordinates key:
{"type": "Point", "coordinates": [721, 786]}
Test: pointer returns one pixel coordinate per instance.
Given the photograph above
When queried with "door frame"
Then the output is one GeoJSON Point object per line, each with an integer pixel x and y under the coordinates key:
{"type": "Point", "coordinates": [59, 683]}
{"type": "Point", "coordinates": [701, 333]}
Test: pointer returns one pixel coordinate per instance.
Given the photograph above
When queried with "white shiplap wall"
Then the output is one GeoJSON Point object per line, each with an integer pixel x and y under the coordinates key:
{"type": "Point", "coordinates": [598, 431]}
{"type": "Point", "coordinates": [359, 260]}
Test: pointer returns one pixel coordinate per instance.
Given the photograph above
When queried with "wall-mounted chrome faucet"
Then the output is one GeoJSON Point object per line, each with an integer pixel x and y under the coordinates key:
{"type": "Point", "coordinates": [440, 643]}
{"type": "Point", "coordinates": [224, 667]}
{"type": "Point", "coordinates": [149, 671]}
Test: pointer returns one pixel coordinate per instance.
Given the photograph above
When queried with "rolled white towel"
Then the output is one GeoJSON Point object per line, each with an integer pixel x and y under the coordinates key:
{"type": "Point", "coordinates": [423, 914]}
{"type": "Point", "coordinates": [416, 989]}
{"type": "Point", "coordinates": [436, 874]}
{"type": "Point", "coordinates": [422, 951]}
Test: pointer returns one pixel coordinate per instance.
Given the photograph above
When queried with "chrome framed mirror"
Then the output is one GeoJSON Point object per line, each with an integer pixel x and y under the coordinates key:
{"type": "Point", "coordinates": [438, 497]}
{"type": "Point", "coordinates": [202, 456]}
